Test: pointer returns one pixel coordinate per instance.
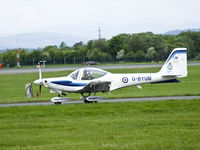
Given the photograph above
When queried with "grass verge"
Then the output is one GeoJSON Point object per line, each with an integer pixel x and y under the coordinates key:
{"type": "Point", "coordinates": [139, 125]}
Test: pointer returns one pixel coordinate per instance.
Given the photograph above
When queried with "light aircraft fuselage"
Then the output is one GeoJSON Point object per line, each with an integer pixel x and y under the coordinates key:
{"type": "Point", "coordinates": [93, 80]}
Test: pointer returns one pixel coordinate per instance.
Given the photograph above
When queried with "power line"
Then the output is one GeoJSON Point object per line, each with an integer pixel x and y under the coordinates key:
{"type": "Point", "coordinates": [99, 33]}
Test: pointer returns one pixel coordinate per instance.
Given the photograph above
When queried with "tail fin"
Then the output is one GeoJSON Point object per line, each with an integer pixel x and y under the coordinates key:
{"type": "Point", "coordinates": [176, 64]}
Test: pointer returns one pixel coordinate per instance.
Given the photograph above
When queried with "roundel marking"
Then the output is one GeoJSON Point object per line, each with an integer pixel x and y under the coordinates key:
{"type": "Point", "coordinates": [170, 67]}
{"type": "Point", "coordinates": [124, 79]}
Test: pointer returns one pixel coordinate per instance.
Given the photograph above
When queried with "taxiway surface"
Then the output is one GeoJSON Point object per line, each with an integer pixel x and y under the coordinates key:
{"type": "Point", "coordinates": [107, 101]}
{"type": "Point", "coordinates": [54, 69]}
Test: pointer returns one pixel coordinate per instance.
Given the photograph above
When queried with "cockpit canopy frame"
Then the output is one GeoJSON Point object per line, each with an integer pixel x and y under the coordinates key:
{"type": "Point", "coordinates": [87, 74]}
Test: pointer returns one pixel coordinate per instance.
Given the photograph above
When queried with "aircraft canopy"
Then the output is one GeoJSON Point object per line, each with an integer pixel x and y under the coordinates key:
{"type": "Point", "coordinates": [88, 74]}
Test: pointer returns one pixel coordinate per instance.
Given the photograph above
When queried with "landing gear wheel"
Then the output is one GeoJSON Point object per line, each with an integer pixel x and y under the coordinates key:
{"type": "Point", "coordinates": [83, 98]}
{"type": "Point", "coordinates": [86, 101]}
{"type": "Point", "coordinates": [57, 103]}
{"type": "Point", "coordinates": [90, 99]}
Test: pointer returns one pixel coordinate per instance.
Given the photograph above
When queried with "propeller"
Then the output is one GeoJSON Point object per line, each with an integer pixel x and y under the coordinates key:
{"type": "Point", "coordinates": [39, 81]}
{"type": "Point", "coordinates": [40, 89]}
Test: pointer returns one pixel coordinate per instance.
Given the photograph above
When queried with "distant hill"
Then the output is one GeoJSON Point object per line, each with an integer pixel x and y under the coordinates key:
{"type": "Point", "coordinates": [36, 40]}
{"type": "Point", "coordinates": [176, 32]}
{"type": "Point", "coordinates": [40, 40]}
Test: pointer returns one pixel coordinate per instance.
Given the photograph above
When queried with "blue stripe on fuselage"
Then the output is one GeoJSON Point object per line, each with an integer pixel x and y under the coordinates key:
{"type": "Point", "coordinates": [68, 83]}
{"type": "Point", "coordinates": [176, 52]}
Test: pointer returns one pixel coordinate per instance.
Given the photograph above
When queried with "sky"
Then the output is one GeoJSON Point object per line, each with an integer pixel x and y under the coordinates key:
{"type": "Point", "coordinates": [84, 17]}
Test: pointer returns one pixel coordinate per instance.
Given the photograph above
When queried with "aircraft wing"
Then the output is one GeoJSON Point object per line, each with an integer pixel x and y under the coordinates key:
{"type": "Point", "coordinates": [96, 86]}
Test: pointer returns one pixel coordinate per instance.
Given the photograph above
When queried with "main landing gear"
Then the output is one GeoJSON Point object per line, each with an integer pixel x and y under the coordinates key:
{"type": "Point", "coordinates": [91, 99]}
{"type": "Point", "coordinates": [58, 100]}
{"type": "Point", "coordinates": [87, 99]}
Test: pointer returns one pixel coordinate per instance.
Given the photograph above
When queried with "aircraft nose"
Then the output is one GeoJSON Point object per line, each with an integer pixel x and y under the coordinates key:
{"type": "Point", "coordinates": [38, 82]}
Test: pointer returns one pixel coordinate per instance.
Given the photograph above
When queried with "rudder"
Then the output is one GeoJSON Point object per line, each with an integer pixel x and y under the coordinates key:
{"type": "Point", "coordinates": [176, 64]}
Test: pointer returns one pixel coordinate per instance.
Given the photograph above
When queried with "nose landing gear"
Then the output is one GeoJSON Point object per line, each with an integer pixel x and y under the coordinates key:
{"type": "Point", "coordinates": [58, 100]}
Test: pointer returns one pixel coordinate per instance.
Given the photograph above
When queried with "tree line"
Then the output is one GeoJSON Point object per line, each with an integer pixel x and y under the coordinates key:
{"type": "Point", "coordinates": [123, 47]}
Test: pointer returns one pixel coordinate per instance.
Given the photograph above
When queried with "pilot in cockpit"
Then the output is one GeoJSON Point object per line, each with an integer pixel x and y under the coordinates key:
{"type": "Point", "coordinates": [87, 75]}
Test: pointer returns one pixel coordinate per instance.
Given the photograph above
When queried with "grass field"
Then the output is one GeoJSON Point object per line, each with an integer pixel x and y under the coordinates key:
{"type": "Point", "coordinates": [156, 125]}
{"type": "Point", "coordinates": [130, 125]}
{"type": "Point", "coordinates": [12, 87]}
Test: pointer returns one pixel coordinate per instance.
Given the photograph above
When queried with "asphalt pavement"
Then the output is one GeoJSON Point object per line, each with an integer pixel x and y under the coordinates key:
{"type": "Point", "coordinates": [54, 69]}
{"type": "Point", "coordinates": [121, 100]}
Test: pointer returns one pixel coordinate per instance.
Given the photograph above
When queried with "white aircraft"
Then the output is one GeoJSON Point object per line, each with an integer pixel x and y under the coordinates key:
{"type": "Point", "coordinates": [92, 80]}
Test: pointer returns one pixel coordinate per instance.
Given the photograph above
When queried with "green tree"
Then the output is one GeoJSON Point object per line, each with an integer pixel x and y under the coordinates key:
{"type": "Point", "coordinates": [71, 56]}
{"type": "Point", "coordinates": [78, 45]}
{"type": "Point", "coordinates": [139, 56]}
{"type": "Point", "coordinates": [52, 53]}
{"type": "Point", "coordinates": [89, 45]}
{"type": "Point", "coordinates": [135, 43]}
{"type": "Point", "coordinates": [52, 50]}
{"type": "Point", "coordinates": [93, 54]}
{"type": "Point", "coordinates": [115, 44]}
{"type": "Point", "coordinates": [35, 56]}
{"type": "Point", "coordinates": [59, 57]}
{"type": "Point", "coordinates": [121, 54]}
{"type": "Point", "coordinates": [24, 57]}
{"type": "Point", "coordinates": [82, 53]}
{"type": "Point", "coordinates": [151, 53]}
{"type": "Point", "coordinates": [104, 57]}
{"type": "Point", "coordinates": [47, 48]}
{"type": "Point", "coordinates": [46, 56]}
{"type": "Point", "coordinates": [1, 58]}
{"type": "Point", "coordinates": [192, 42]}
{"type": "Point", "coordinates": [130, 56]}
{"type": "Point", "coordinates": [97, 55]}
{"type": "Point", "coordinates": [9, 57]}
{"type": "Point", "coordinates": [64, 48]}
{"type": "Point", "coordinates": [100, 44]}
{"type": "Point", "coordinates": [62, 44]}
